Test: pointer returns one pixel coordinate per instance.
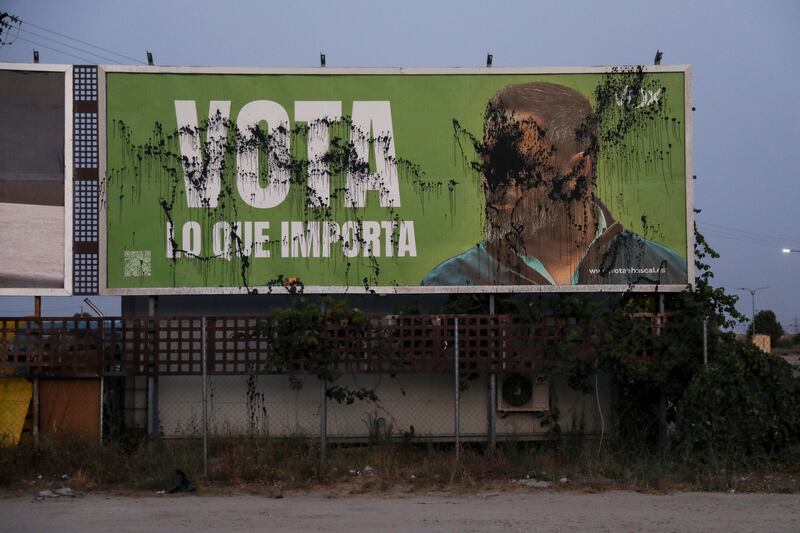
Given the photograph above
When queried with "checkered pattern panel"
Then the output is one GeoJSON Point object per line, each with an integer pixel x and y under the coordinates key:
{"type": "Point", "coordinates": [85, 215]}
{"type": "Point", "coordinates": [85, 84]}
{"type": "Point", "coordinates": [85, 274]}
{"type": "Point", "coordinates": [86, 182]}
{"type": "Point", "coordinates": [85, 134]}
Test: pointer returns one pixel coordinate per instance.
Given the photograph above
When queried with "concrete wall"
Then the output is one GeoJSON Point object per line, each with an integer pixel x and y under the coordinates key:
{"type": "Point", "coordinates": [269, 406]}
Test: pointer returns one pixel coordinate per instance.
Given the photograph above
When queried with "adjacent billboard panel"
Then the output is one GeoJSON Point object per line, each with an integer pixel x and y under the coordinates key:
{"type": "Point", "coordinates": [393, 180]}
{"type": "Point", "coordinates": [35, 179]}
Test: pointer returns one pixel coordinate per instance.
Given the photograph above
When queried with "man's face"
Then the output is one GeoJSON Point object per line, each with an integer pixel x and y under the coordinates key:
{"type": "Point", "coordinates": [525, 173]}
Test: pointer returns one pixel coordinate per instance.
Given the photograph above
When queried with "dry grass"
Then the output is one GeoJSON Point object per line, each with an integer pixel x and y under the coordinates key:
{"type": "Point", "coordinates": [278, 465]}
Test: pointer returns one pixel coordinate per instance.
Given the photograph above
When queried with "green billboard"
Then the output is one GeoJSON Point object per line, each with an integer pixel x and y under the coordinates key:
{"type": "Point", "coordinates": [393, 180]}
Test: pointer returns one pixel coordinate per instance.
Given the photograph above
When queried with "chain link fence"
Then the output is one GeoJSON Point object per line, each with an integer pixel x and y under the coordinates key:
{"type": "Point", "coordinates": [435, 378]}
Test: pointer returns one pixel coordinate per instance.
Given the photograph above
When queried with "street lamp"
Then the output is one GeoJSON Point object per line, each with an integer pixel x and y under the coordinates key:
{"type": "Point", "coordinates": [789, 251]}
{"type": "Point", "coordinates": [753, 294]}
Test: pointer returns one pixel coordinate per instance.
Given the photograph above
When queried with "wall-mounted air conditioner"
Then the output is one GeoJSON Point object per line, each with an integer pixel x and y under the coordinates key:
{"type": "Point", "coordinates": [523, 393]}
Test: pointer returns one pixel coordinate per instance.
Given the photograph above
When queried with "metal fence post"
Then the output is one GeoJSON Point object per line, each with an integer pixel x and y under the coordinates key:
{"type": "Point", "coordinates": [663, 435]}
{"type": "Point", "coordinates": [153, 430]}
{"type": "Point", "coordinates": [458, 395]}
{"type": "Point", "coordinates": [152, 407]}
{"type": "Point", "coordinates": [323, 424]}
{"type": "Point", "coordinates": [323, 411]}
{"type": "Point", "coordinates": [492, 403]}
{"type": "Point", "coordinates": [204, 357]}
{"type": "Point", "coordinates": [36, 412]}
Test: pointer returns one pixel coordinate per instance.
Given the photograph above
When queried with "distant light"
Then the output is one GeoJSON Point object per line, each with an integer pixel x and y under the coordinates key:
{"type": "Point", "coordinates": [786, 250]}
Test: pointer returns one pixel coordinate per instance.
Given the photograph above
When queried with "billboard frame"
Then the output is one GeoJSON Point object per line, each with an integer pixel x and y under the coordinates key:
{"type": "Point", "coordinates": [405, 289]}
{"type": "Point", "coordinates": [68, 171]}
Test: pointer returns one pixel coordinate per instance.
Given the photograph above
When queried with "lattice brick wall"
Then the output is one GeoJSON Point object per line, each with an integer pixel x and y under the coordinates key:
{"type": "Point", "coordinates": [85, 215]}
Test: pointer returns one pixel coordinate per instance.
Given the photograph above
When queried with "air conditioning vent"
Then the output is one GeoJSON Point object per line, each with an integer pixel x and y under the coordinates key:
{"type": "Point", "coordinates": [523, 393]}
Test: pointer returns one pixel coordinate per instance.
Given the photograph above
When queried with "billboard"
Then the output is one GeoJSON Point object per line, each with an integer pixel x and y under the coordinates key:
{"type": "Point", "coordinates": [396, 180]}
{"type": "Point", "coordinates": [35, 179]}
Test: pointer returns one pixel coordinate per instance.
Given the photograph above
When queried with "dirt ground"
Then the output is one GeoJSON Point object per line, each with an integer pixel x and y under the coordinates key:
{"type": "Point", "coordinates": [533, 510]}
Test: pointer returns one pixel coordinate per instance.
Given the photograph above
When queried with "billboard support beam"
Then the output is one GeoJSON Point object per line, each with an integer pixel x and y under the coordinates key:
{"type": "Point", "coordinates": [663, 437]}
{"type": "Point", "coordinates": [152, 379]}
{"type": "Point", "coordinates": [323, 423]}
{"type": "Point", "coordinates": [457, 421]}
{"type": "Point", "coordinates": [36, 412]}
{"type": "Point", "coordinates": [204, 354]}
{"type": "Point", "coordinates": [492, 422]}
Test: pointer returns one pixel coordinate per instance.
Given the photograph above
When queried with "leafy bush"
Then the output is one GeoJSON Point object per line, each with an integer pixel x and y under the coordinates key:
{"type": "Point", "coordinates": [742, 407]}
{"type": "Point", "coordinates": [297, 342]}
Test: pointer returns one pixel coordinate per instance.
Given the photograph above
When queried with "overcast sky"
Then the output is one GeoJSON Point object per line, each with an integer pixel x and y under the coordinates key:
{"type": "Point", "coordinates": [745, 85]}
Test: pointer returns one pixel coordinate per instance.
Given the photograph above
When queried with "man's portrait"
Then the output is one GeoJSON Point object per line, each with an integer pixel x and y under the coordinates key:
{"type": "Point", "coordinates": [537, 162]}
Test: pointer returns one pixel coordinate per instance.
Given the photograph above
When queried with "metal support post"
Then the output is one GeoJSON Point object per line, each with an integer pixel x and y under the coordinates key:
{"type": "Point", "coordinates": [153, 431]}
{"type": "Point", "coordinates": [204, 354]}
{"type": "Point", "coordinates": [705, 341]}
{"type": "Point", "coordinates": [323, 411]}
{"type": "Point", "coordinates": [36, 413]}
{"type": "Point", "coordinates": [37, 312]}
{"type": "Point", "coordinates": [457, 397]}
{"type": "Point", "coordinates": [492, 403]}
{"type": "Point", "coordinates": [323, 423]}
{"type": "Point", "coordinates": [663, 438]}
{"type": "Point", "coordinates": [152, 407]}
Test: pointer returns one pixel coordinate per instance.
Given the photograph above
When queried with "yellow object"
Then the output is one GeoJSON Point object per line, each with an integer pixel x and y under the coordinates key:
{"type": "Point", "coordinates": [7, 330]}
{"type": "Point", "coordinates": [15, 397]}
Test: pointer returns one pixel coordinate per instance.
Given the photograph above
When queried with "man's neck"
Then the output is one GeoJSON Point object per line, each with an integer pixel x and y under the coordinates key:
{"type": "Point", "coordinates": [561, 241]}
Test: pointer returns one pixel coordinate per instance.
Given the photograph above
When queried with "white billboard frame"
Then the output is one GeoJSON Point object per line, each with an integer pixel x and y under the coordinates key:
{"type": "Point", "coordinates": [68, 171]}
{"type": "Point", "coordinates": [422, 289]}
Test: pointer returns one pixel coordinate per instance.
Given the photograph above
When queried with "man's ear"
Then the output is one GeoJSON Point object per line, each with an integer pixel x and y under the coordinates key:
{"type": "Point", "coordinates": [581, 164]}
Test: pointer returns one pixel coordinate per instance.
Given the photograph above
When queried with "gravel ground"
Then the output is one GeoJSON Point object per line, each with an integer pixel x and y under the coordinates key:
{"type": "Point", "coordinates": [536, 510]}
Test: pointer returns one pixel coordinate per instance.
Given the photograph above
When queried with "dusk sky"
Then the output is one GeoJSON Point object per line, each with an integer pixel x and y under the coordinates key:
{"type": "Point", "coordinates": [745, 84]}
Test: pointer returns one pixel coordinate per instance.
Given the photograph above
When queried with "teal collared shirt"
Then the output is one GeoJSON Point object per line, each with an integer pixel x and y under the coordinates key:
{"type": "Point", "coordinates": [535, 264]}
{"type": "Point", "coordinates": [618, 257]}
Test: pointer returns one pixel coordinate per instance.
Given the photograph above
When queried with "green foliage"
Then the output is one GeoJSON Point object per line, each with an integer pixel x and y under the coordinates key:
{"type": "Point", "coordinates": [743, 406]}
{"type": "Point", "coordinates": [740, 406]}
{"type": "Point", "coordinates": [767, 324]}
{"type": "Point", "coordinates": [788, 343]}
{"type": "Point", "coordinates": [411, 307]}
{"type": "Point", "coordinates": [297, 342]}
{"type": "Point", "coordinates": [478, 304]}
{"type": "Point", "coordinates": [348, 396]}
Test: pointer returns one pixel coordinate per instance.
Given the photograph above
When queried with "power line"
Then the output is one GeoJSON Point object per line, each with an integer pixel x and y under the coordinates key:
{"type": "Point", "coordinates": [741, 241]}
{"type": "Point", "coordinates": [747, 232]}
{"type": "Point", "coordinates": [771, 242]}
{"type": "Point", "coordinates": [70, 46]}
{"type": "Point", "coordinates": [87, 61]}
{"type": "Point", "coordinates": [744, 238]}
{"type": "Point", "coordinates": [82, 42]}
{"type": "Point", "coordinates": [740, 238]}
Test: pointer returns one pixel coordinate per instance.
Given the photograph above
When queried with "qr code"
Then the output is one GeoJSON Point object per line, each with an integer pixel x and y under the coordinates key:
{"type": "Point", "coordinates": [137, 263]}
